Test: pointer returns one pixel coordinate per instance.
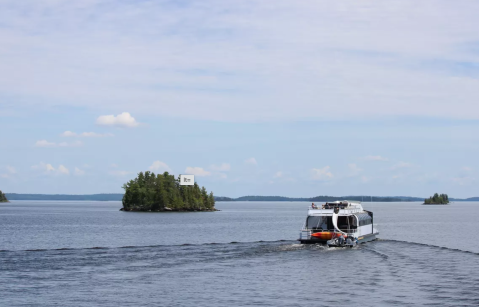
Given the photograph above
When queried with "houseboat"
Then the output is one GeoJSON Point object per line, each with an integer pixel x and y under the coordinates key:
{"type": "Point", "coordinates": [340, 224]}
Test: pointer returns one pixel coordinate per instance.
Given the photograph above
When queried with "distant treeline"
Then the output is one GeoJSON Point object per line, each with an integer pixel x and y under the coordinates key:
{"type": "Point", "coordinates": [119, 197]}
{"type": "Point", "coordinates": [322, 198]}
{"type": "Point", "coordinates": [163, 192]}
{"type": "Point", "coordinates": [3, 198]}
{"type": "Point", "coordinates": [66, 197]}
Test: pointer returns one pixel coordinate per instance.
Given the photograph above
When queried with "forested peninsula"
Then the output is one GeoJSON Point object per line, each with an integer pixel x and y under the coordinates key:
{"type": "Point", "coordinates": [163, 192]}
{"type": "Point", "coordinates": [437, 199]}
{"type": "Point", "coordinates": [3, 198]}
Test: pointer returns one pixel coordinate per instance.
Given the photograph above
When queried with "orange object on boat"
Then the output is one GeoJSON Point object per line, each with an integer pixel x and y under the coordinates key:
{"type": "Point", "coordinates": [325, 235]}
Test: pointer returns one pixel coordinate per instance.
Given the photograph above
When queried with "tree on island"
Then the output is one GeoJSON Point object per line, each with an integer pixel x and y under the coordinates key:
{"type": "Point", "coordinates": [162, 192]}
{"type": "Point", "coordinates": [437, 199]}
{"type": "Point", "coordinates": [3, 198]}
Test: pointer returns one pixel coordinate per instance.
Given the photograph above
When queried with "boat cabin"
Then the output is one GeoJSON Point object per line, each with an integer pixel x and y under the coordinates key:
{"type": "Point", "coordinates": [346, 223]}
{"type": "Point", "coordinates": [350, 218]}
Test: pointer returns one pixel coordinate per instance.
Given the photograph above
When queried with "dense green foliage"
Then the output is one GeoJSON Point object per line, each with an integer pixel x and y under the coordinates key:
{"type": "Point", "coordinates": [3, 198]}
{"type": "Point", "coordinates": [150, 192]}
{"type": "Point", "coordinates": [437, 199]}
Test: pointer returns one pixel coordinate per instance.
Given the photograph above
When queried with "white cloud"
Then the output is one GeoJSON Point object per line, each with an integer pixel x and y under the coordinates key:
{"type": "Point", "coordinates": [114, 165]}
{"type": "Point", "coordinates": [96, 135]}
{"type": "Point", "coordinates": [278, 174]}
{"type": "Point", "coordinates": [401, 165]}
{"type": "Point", "coordinates": [124, 120]}
{"type": "Point", "coordinates": [44, 143]}
{"type": "Point", "coordinates": [72, 144]}
{"type": "Point", "coordinates": [197, 171]}
{"type": "Point", "coordinates": [86, 134]}
{"type": "Point", "coordinates": [321, 173]}
{"type": "Point", "coordinates": [251, 161]}
{"type": "Point", "coordinates": [45, 167]}
{"type": "Point", "coordinates": [159, 166]}
{"type": "Point", "coordinates": [69, 134]}
{"type": "Point", "coordinates": [375, 158]}
{"type": "Point", "coordinates": [63, 170]}
{"type": "Point", "coordinates": [223, 167]}
{"type": "Point", "coordinates": [467, 169]}
{"type": "Point", "coordinates": [79, 172]}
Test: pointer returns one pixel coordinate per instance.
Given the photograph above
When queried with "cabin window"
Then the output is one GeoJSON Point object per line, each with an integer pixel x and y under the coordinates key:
{"type": "Point", "coordinates": [346, 223]}
{"type": "Point", "coordinates": [364, 219]}
{"type": "Point", "coordinates": [318, 222]}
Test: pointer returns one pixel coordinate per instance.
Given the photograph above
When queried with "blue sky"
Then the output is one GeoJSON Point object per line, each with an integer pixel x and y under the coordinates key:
{"type": "Point", "coordinates": [292, 98]}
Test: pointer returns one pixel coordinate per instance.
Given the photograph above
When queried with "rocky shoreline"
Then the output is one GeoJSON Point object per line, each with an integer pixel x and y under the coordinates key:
{"type": "Point", "coordinates": [169, 210]}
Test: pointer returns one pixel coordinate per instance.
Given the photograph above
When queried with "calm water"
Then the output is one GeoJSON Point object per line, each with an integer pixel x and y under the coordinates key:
{"type": "Point", "coordinates": [91, 254]}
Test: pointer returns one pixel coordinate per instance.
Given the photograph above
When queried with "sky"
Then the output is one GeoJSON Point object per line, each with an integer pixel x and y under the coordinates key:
{"type": "Point", "coordinates": [253, 97]}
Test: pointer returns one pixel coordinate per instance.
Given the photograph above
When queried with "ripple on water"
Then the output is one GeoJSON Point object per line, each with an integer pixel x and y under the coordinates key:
{"type": "Point", "coordinates": [265, 273]}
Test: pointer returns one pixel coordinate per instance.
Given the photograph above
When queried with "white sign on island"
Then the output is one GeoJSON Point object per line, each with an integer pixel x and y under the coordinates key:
{"type": "Point", "coordinates": [187, 179]}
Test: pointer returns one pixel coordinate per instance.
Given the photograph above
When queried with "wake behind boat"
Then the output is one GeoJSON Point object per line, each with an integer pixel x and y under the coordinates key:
{"type": "Point", "coordinates": [340, 223]}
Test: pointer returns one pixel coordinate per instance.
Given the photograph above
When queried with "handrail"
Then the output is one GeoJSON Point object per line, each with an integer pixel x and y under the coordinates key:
{"type": "Point", "coordinates": [329, 230]}
{"type": "Point", "coordinates": [332, 207]}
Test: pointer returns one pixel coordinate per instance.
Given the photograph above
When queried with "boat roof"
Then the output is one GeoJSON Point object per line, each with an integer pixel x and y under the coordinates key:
{"type": "Point", "coordinates": [344, 202]}
{"type": "Point", "coordinates": [345, 207]}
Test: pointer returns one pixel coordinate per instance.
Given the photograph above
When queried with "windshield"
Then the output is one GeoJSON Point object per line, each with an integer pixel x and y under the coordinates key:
{"type": "Point", "coordinates": [318, 222]}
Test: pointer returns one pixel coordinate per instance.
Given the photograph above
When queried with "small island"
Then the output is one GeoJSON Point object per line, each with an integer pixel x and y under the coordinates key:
{"type": "Point", "coordinates": [437, 199]}
{"type": "Point", "coordinates": [157, 193]}
{"type": "Point", "coordinates": [3, 198]}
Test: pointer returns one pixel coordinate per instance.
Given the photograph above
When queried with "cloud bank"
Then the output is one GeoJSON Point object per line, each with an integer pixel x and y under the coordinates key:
{"type": "Point", "coordinates": [244, 60]}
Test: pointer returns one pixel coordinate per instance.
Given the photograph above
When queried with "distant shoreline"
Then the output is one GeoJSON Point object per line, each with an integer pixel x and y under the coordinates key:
{"type": "Point", "coordinates": [119, 197]}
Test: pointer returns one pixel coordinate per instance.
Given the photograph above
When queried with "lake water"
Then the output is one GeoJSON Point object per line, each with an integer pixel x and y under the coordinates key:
{"type": "Point", "coordinates": [92, 254]}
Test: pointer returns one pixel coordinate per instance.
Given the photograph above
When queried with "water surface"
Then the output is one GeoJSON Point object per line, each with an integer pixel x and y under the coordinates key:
{"type": "Point", "coordinates": [91, 254]}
